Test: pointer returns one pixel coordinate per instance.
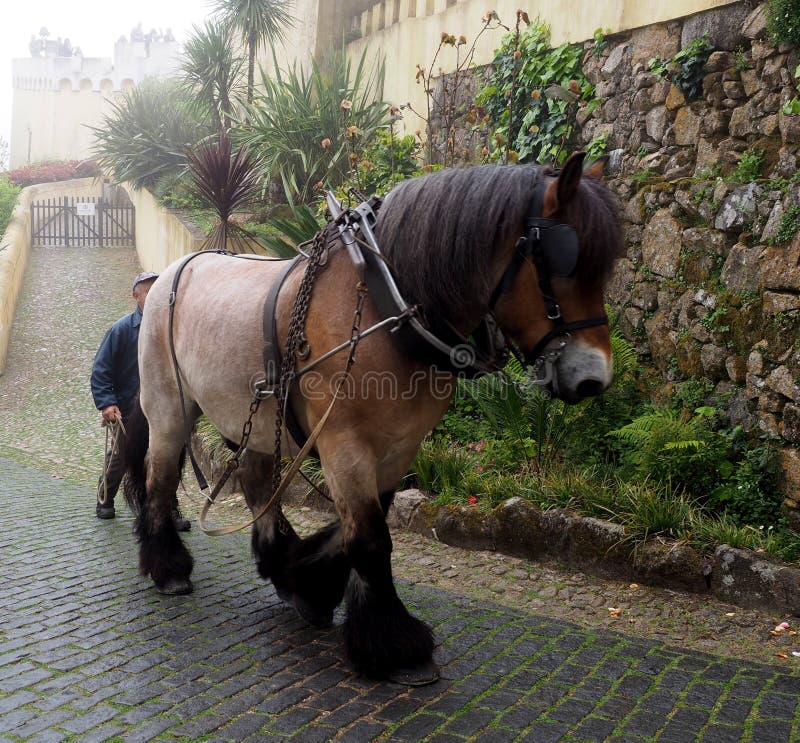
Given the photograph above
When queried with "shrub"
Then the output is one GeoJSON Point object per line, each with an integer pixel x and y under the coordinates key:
{"type": "Point", "coordinates": [540, 89]}
{"type": "Point", "coordinates": [8, 199]}
{"type": "Point", "coordinates": [783, 21]}
{"type": "Point", "coordinates": [147, 133]}
{"type": "Point", "coordinates": [673, 448]}
{"type": "Point", "coordinates": [299, 127]}
{"type": "Point", "coordinates": [749, 167]}
{"type": "Point", "coordinates": [751, 494]}
{"type": "Point", "coordinates": [48, 172]}
{"type": "Point", "coordinates": [647, 510]}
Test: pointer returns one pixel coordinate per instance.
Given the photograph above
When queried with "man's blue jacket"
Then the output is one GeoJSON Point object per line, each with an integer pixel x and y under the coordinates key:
{"type": "Point", "coordinates": [115, 372]}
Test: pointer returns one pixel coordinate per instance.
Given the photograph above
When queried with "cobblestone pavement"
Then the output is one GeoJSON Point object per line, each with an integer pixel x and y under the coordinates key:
{"type": "Point", "coordinates": [530, 651]}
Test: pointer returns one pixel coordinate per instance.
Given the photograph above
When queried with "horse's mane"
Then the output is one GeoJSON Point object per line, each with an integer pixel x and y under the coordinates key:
{"type": "Point", "coordinates": [440, 232]}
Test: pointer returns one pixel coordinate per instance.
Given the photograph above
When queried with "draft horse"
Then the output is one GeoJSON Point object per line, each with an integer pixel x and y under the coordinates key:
{"type": "Point", "coordinates": [528, 247]}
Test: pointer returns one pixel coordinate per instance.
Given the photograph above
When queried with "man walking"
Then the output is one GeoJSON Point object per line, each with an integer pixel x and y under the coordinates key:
{"type": "Point", "coordinates": [115, 384]}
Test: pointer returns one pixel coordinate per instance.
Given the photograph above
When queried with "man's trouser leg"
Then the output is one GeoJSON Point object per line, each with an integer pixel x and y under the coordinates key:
{"type": "Point", "coordinates": [107, 491]}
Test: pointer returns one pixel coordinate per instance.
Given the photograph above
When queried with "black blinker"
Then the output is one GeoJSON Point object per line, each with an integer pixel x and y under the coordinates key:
{"type": "Point", "coordinates": [560, 249]}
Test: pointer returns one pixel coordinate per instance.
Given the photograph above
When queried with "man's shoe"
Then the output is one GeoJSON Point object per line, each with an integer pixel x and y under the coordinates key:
{"type": "Point", "coordinates": [180, 521]}
{"type": "Point", "coordinates": [105, 512]}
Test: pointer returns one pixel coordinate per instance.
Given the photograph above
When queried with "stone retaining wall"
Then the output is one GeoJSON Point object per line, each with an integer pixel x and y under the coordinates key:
{"type": "Point", "coordinates": [15, 247]}
{"type": "Point", "coordinates": [710, 286]}
{"type": "Point", "coordinates": [708, 289]}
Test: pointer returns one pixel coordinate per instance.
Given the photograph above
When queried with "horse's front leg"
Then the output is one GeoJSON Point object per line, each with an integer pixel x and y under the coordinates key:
{"type": "Point", "coordinates": [162, 554]}
{"type": "Point", "coordinates": [383, 639]}
{"type": "Point", "coordinates": [309, 573]}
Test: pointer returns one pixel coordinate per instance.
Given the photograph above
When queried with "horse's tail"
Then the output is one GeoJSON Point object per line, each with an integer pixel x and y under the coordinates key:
{"type": "Point", "coordinates": [137, 441]}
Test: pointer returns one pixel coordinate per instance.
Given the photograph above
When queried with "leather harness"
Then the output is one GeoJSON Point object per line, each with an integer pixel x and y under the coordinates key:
{"type": "Point", "coordinates": [552, 246]}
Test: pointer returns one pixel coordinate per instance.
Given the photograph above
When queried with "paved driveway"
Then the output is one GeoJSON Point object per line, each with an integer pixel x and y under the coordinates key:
{"type": "Point", "coordinates": [89, 651]}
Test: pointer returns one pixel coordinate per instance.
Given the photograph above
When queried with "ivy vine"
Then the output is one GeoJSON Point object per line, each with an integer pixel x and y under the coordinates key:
{"type": "Point", "coordinates": [532, 96]}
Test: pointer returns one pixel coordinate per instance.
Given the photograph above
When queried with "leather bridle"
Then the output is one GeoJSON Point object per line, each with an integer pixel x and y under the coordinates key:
{"type": "Point", "coordinates": [553, 248]}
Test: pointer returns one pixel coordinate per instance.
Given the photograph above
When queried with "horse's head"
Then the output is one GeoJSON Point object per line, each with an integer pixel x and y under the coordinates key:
{"type": "Point", "coordinates": [549, 295]}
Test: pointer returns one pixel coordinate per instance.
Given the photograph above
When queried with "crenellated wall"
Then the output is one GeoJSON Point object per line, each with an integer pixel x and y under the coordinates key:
{"type": "Point", "coordinates": [57, 99]}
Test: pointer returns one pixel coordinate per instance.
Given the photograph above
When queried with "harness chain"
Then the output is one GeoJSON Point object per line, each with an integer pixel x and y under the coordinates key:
{"type": "Point", "coordinates": [298, 321]}
{"type": "Point", "coordinates": [295, 340]}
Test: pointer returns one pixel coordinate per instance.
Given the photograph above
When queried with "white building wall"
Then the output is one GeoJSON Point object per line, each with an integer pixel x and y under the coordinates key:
{"type": "Point", "coordinates": [56, 99]}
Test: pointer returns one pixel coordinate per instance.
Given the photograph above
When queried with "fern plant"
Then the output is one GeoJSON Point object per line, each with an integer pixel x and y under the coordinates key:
{"type": "Point", "coordinates": [670, 446]}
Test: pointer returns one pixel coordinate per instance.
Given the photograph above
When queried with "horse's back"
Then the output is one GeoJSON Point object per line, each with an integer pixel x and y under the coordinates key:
{"type": "Point", "coordinates": [217, 335]}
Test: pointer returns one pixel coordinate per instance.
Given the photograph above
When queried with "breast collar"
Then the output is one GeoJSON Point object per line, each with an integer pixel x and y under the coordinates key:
{"type": "Point", "coordinates": [552, 246]}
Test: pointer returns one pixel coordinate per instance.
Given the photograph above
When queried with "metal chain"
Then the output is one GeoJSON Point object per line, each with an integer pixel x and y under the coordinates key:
{"type": "Point", "coordinates": [295, 341]}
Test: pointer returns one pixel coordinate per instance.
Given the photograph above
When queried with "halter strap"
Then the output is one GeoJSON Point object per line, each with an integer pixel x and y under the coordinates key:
{"type": "Point", "coordinates": [543, 233]}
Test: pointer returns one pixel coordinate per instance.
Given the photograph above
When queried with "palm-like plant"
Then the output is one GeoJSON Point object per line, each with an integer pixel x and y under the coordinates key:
{"type": "Point", "coordinates": [298, 111]}
{"type": "Point", "coordinates": [212, 71]}
{"type": "Point", "coordinates": [225, 182]}
{"type": "Point", "coordinates": [147, 133]}
{"type": "Point", "coordinates": [259, 23]}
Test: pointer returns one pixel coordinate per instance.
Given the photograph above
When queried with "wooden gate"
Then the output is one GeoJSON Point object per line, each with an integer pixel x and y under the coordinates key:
{"type": "Point", "coordinates": [90, 222]}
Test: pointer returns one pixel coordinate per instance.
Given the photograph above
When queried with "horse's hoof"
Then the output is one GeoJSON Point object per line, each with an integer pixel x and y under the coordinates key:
{"type": "Point", "coordinates": [176, 587]}
{"type": "Point", "coordinates": [427, 673]}
{"type": "Point", "coordinates": [310, 614]}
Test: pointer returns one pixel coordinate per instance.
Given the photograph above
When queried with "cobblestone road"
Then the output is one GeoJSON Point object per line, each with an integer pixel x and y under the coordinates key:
{"type": "Point", "coordinates": [88, 651]}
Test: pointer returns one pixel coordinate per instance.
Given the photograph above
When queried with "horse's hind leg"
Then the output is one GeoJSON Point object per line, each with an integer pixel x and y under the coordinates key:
{"type": "Point", "coordinates": [383, 639]}
{"type": "Point", "coordinates": [162, 554]}
{"type": "Point", "coordinates": [309, 573]}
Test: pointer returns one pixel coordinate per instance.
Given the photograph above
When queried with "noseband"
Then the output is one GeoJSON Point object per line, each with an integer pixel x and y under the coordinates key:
{"type": "Point", "coordinates": [554, 248]}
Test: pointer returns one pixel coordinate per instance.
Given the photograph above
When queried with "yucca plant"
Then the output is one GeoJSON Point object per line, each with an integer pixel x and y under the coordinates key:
{"type": "Point", "coordinates": [299, 111]}
{"type": "Point", "coordinates": [148, 132]}
{"type": "Point", "coordinates": [212, 71]}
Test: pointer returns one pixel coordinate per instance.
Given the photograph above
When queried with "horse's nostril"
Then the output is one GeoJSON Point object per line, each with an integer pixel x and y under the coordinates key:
{"type": "Point", "coordinates": [589, 388]}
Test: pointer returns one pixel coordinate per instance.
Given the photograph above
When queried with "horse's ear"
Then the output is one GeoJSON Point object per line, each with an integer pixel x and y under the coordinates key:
{"type": "Point", "coordinates": [569, 179]}
{"type": "Point", "coordinates": [597, 169]}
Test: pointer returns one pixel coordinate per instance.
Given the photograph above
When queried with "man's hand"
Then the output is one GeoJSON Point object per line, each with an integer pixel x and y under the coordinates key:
{"type": "Point", "coordinates": [111, 414]}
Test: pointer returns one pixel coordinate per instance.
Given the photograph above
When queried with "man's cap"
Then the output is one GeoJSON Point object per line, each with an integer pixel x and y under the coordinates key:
{"type": "Point", "coordinates": [144, 276]}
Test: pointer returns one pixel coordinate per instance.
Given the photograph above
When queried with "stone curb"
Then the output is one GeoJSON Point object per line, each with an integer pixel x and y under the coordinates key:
{"type": "Point", "coordinates": [591, 545]}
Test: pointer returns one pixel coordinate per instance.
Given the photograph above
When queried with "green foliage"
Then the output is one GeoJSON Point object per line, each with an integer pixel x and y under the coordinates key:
{"type": "Point", "coordinates": [542, 88]}
{"type": "Point", "coordinates": [600, 42]}
{"type": "Point", "coordinates": [691, 394]}
{"type": "Point", "coordinates": [597, 147]}
{"type": "Point", "coordinates": [707, 532]}
{"type": "Point", "coordinates": [212, 71]}
{"type": "Point", "coordinates": [647, 510]}
{"type": "Point", "coordinates": [387, 161]}
{"type": "Point", "coordinates": [685, 69]}
{"type": "Point", "coordinates": [148, 132]}
{"type": "Point", "coordinates": [740, 60]}
{"type": "Point", "coordinates": [258, 23]}
{"type": "Point", "coordinates": [8, 200]}
{"type": "Point", "coordinates": [282, 234]}
{"type": "Point", "coordinates": [749, 166]}
{"type": "Point", "coordinates": [531, 422]}
{"type": "Point", "coordinates": [792, 107]}
{"type": "Point", "coordinates": [788, 226]}
{"type": "Point", "coordinates": [673, 448]}
{"type": "Point", "coordinates": [751, 494]}
{"type": "Point", "coordinates": [298, 127]}
{"type": "Point", "coordinates": [444, 469]}
{"type": "Point", "coordinates": [783, 21]}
